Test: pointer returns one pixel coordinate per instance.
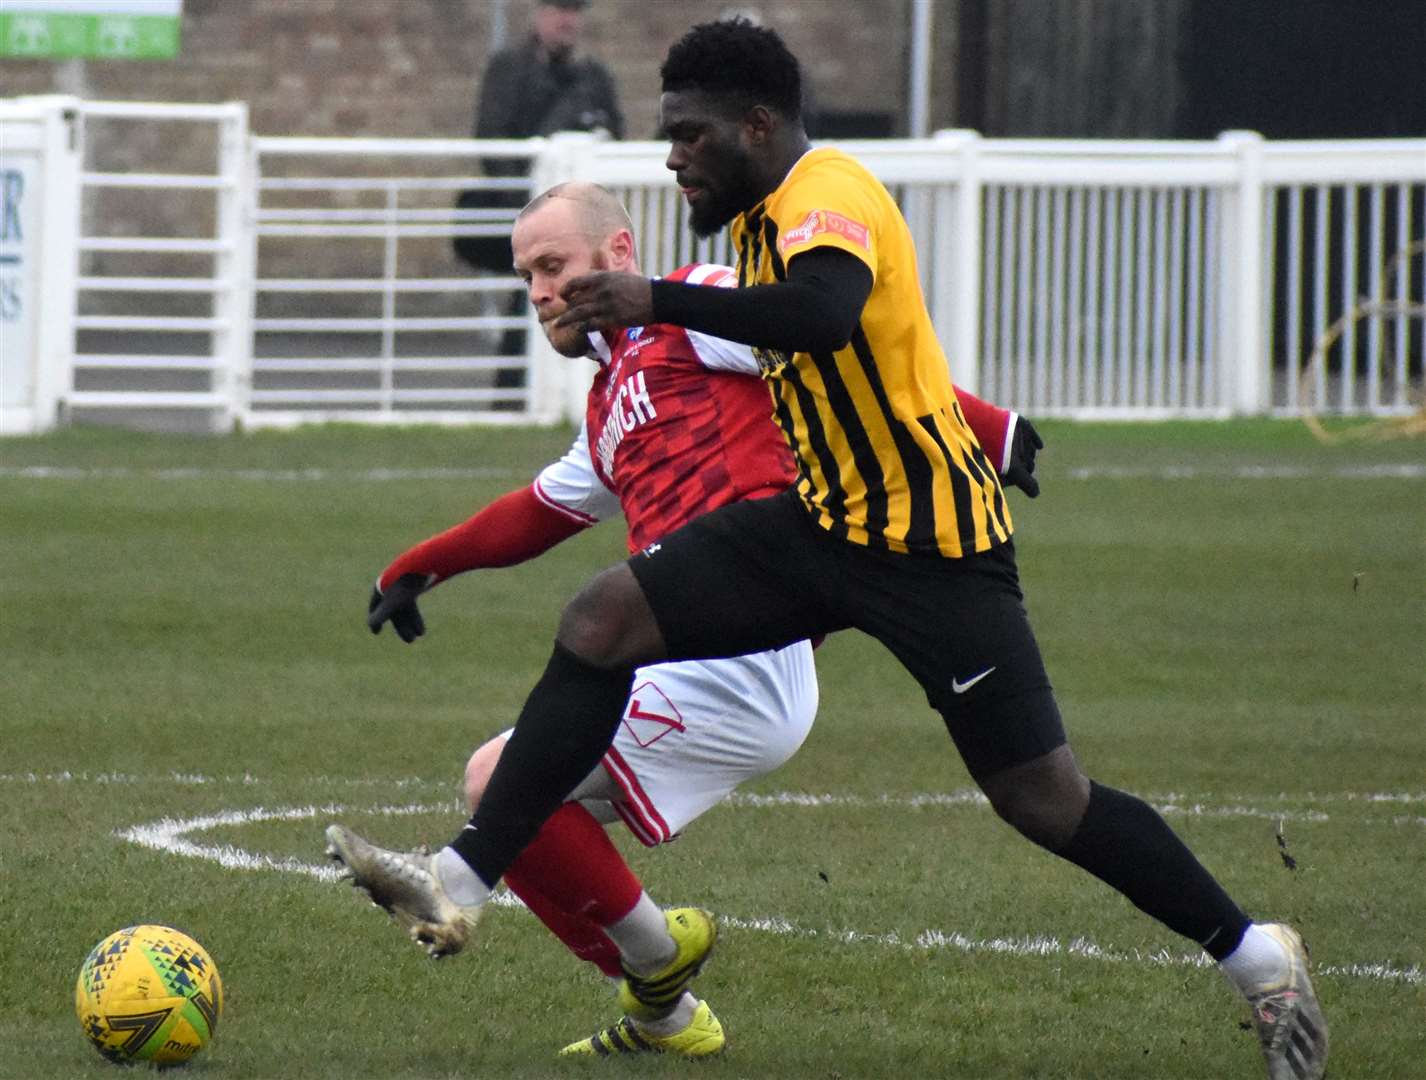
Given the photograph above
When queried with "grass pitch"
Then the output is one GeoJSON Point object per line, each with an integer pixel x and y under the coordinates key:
{"type": "Point", "coordinates": [1235, 618]}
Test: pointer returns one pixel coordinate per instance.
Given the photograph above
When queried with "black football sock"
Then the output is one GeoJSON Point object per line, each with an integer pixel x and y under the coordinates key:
{"type": "Point", "coordinates": [567, 723]}
{"type": "Point", "coordinates": [1124, 842]}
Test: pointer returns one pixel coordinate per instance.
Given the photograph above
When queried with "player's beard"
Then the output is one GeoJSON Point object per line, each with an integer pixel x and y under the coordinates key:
{"type": "Point", "coordinates": [573, 341]}
{"type": "Point", "coordinates": [731, 194]}
{"type": "Point", "coordinates": [570, 341]}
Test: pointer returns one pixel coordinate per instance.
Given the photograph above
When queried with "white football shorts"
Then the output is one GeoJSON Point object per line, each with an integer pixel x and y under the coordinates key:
{"type": "Point", "coordinates": [692, 731]}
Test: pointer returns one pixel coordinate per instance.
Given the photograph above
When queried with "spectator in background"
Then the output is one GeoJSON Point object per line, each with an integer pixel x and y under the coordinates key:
{"type": "Point", "coordinates": [541, 86]}
{"type": "Point", "coordinates": [536, 87]}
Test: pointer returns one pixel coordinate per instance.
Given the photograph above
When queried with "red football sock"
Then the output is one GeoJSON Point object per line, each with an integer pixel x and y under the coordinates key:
{"type": "Point", "coordinates": [581, 937]}
{"type": "Point", "coordinates": [575, 881]}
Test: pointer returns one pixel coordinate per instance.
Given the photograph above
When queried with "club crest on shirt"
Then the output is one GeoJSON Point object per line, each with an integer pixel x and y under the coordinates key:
{"type": "Point", "coordinates": [636, 339]}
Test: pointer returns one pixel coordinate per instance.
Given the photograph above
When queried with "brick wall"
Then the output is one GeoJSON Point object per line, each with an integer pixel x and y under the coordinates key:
{"type": "Point", "coordinates": [412, 67]}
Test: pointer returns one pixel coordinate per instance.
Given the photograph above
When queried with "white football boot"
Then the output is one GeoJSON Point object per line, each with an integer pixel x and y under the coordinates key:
{"type": "Point", "coordinates": [1290, 1024]}
{"type": "Point", "coordinates": [407, 886]}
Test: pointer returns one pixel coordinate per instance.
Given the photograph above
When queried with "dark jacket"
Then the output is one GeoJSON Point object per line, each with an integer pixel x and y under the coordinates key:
{"type": "Point", "coordinates": [525, 94]}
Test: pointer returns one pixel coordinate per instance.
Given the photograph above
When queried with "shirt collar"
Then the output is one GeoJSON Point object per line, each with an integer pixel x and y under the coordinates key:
{"type": "Point", "coordinates": [599, 347]}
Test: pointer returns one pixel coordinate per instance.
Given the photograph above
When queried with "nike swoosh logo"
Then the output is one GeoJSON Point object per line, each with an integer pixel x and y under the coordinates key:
{"type": "Point", "coordinates": [961, 687]}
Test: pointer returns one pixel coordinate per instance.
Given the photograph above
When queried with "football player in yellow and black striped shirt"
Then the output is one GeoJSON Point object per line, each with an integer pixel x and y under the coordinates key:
{"type": "Point", "coordinates": [886, 458]}
{"type": "Point", "coordinates": [896, 526]}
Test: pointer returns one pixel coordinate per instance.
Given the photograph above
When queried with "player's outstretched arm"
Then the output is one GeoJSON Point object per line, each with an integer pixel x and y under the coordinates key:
{"type": "Point", "coordinates": [515, 527]}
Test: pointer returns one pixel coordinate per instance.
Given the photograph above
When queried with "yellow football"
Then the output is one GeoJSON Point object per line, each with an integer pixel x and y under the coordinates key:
{"type": "Point", "coordinates": [149, 993]}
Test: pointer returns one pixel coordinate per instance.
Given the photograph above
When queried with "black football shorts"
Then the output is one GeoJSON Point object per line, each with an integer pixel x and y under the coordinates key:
{"type": "Point", "coordinates": [760, 574]}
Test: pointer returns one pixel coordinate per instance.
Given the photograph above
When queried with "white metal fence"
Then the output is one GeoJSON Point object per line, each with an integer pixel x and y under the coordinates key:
{"type": "Point", "coordinates": [250, 280]}
{"type": "Point", "coordinates": [162, 280]}
{"type": "Point", "coordinates": [361, 311]}
{"type": "Point", "coordinates": [1344, 240]}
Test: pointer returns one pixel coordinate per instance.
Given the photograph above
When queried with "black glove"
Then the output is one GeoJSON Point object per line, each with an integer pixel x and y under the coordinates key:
{"type": "Point", "coordinates": [398, 606]}
{"type": "Point", "coordinates": [1021, 470]}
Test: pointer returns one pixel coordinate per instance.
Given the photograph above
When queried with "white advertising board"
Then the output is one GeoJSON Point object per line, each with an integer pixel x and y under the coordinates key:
{"type": "Point", "coordinates": [20, 193]}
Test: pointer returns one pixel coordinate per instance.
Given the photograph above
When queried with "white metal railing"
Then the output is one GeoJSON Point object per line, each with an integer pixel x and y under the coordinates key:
{"type": "Point", "coordinates": [146, 336]}
{"type": "Point", "coordinates": [1136, 279]}
{"type": "Point", "coordinates": [1104, 278]}
{"type": "Point", "coordinates": [1074, 278]}
{"type": "Point", "coordinates": [1347, 221]}
{"type": "Point", "coordinates": [421, 337]}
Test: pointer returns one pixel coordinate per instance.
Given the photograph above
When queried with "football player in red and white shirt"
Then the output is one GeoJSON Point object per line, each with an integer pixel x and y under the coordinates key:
{"type": "Point", "coordinates": [677, 424]}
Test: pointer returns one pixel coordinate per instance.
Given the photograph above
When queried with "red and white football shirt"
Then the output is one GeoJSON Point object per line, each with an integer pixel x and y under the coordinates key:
{"type": "Point", "coordinates": [666, 440]}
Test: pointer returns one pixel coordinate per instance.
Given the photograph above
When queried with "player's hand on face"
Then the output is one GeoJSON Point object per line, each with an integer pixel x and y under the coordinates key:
{"type": "Point", "coordinates": [607, 299]}
{"type": "Point", "coordinates": [397, 605]}
{"type": "Point", "coordinates": [1023, 445]}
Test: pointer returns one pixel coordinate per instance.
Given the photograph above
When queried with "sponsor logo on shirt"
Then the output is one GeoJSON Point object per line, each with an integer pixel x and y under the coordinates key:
{"type": "Point", "coordinates": [629, 407]}
{"type": "Point", "coordinates": [818, 222]}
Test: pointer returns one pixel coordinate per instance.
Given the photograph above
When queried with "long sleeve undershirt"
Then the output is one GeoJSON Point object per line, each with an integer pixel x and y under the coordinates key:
{"type": "Point", "coordinates": [515, 527]}
{"type": "Point", "coordinates": [815, 310]}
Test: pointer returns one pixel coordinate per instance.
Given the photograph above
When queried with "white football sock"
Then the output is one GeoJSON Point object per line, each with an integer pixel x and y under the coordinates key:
{"type": "Point", "coordinates": [1257, 961]}
{"type": "Point", "coordinates": [674, 1022]}
{"type": "Point", "coordinates": [642, 937]}
{"type": "Point", "coordinates": [462, 884]}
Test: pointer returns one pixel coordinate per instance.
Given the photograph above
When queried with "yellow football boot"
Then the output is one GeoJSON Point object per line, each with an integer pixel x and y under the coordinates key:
{"type": "Point", "coordinates": [648, 997]}
{"type": "Point", "coordinates": [702, 1036]}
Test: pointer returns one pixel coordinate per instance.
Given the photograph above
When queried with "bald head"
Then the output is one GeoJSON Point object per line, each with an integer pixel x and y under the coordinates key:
{"type": "Point", "coordinates": [569, 230]}
{"type": "Point", "coordinates": [594, 210]}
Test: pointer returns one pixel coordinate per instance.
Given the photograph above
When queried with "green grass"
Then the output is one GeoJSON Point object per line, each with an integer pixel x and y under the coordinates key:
{"type": "Point", "coordinates": [187, 643]}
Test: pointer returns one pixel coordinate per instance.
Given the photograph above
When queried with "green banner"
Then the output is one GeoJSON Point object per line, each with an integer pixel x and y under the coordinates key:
{"type": "Point", "coordinates": [60, 36]}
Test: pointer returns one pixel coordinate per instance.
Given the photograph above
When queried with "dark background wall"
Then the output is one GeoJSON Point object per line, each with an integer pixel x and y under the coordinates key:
{"type": "Point", "coordinates": [1305, 68]}
{"type": "Point", "coordinates": [1071, 68]}
{"type": "Point", "coordinates": [1191, 68]}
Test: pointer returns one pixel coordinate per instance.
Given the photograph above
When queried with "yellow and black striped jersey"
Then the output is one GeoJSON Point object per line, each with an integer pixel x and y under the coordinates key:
{"type": "Point", "coordinates": [885, 456]}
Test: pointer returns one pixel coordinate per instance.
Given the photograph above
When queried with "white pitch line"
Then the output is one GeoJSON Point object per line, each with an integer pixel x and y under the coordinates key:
{"type": "Point", "coordinates": [1407, 470]}
{"type": "Point", "coordinates": [248, 779]}
{"type": "Point", "coordinates": [171, 835]}
{"type": "Point", "coordinates": [74, 472]}
{"type": "Point", "coordinates": [963, 796]}
{"type": "Point", "coordinates": [1043, 946]}
{"type": "Point", "coordinates": [1171, 804]}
